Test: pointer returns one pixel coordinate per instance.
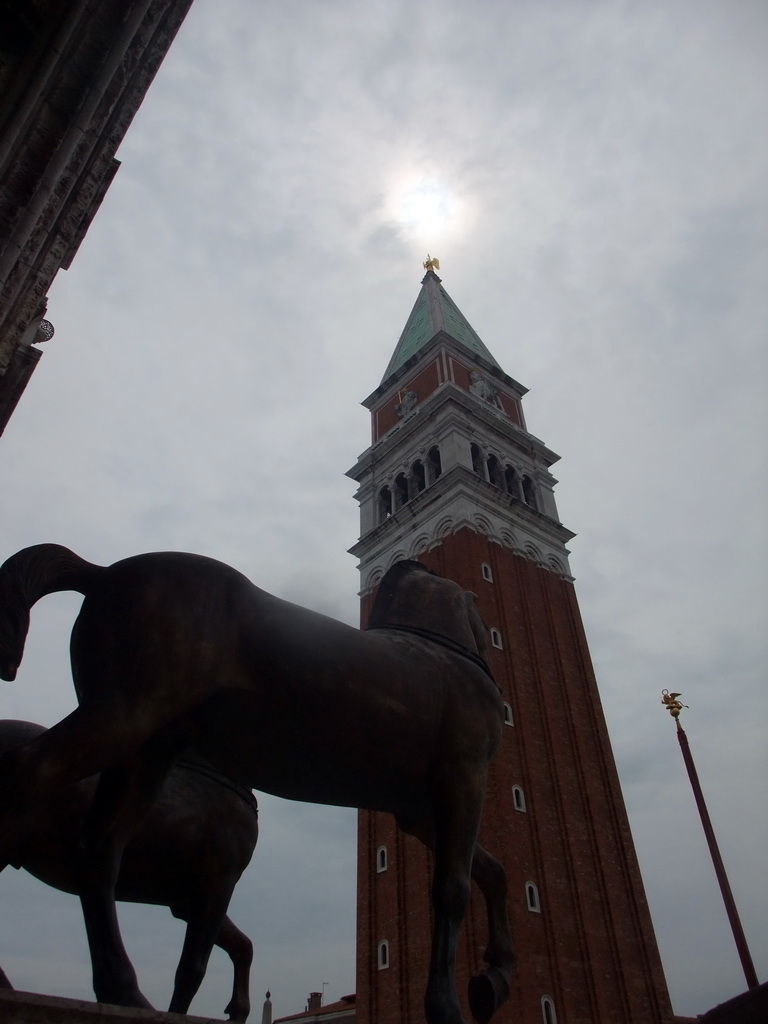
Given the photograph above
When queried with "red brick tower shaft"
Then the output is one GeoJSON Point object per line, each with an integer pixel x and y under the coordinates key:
{"type": "Point", "coordinates": [454, 479]}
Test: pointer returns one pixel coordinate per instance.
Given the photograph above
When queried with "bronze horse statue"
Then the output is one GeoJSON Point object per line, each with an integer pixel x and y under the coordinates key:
{"type": "Point", "coordinates": [192, 847]}
{"type": "Point", "coordinates": [175, 650]}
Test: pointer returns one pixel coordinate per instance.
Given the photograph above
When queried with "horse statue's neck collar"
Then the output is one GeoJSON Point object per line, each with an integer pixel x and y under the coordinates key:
{"type": "Point", "coordinates": [444, 641]}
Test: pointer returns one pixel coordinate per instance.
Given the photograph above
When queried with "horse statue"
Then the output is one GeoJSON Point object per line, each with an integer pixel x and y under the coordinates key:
{"type": "Point", "coordinates": [190, 850]}
{"type": "Point", "coordinates": [175, 650]}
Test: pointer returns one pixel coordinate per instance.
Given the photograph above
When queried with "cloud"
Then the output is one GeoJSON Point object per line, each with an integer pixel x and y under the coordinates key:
{"type": "Point", "coordinates": [242, 290]}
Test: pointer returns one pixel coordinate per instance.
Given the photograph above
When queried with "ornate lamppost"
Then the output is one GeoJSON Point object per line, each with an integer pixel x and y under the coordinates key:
{"type": "Point", "coordinates": [674, 707]}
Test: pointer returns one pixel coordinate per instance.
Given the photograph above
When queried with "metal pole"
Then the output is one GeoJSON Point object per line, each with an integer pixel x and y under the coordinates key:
{"type": "Point", "coordinates": [673, 706]}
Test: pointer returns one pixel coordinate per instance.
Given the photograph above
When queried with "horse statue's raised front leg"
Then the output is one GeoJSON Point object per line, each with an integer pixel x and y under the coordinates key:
{"type": "Point", "coordinates": [239, 948]}
{"type": "Point", "coordinates": [457, 820]}
{"type": "Point", "coordinates": [490, 989]}
{"type": "Point", "coordinates": [204, 924]}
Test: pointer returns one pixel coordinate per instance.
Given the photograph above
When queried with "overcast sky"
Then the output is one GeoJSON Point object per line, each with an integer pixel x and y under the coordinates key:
{"type": "Point", "coordinates": [592, 176]}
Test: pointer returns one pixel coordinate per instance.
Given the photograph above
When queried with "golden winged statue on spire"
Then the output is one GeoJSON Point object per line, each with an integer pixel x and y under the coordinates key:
{"type": "Point", "coordinates": [672, 704]}
{"type": "Point", "coordinates": [431, 263]}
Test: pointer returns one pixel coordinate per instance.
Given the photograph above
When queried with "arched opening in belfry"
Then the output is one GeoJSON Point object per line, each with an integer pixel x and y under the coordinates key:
{"type": "Point", "coordinates": [434, 464]}
{"type": "Point", "coordinates": [512, 480]}
{"type": "Point", "coordinates": [477, 460]}
{"type": "Point", "coordinates": [401, 491]}
{"type": "Point", "coordinates": [494, 472]}
{"type": "Point", "coordinates": [529, 492]}
{"type": "Point", "coordinates": [384, 504]}
{"type": "Point", "coordinates": [418, 476]}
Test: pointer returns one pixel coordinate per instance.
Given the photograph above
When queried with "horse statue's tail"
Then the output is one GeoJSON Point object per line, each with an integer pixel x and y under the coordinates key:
{"type": "Point", "coordinates": [26, 577]}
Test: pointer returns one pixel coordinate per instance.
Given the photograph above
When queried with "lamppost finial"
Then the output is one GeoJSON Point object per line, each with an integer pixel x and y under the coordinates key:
{"type": "Point", "coordinates": [672, 704]}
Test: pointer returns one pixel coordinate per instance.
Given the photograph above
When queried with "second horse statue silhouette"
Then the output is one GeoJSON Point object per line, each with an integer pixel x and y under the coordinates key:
{"type": "Point", "coordinates": [194, 844]}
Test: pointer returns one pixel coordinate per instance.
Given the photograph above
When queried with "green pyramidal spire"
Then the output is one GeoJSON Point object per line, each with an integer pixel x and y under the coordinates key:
{"type": "Point", "coordinates": [435, 311]}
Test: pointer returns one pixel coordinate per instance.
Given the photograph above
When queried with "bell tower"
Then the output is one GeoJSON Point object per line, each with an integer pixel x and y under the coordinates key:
{"type": "Point", "coordinates": [454, 478]}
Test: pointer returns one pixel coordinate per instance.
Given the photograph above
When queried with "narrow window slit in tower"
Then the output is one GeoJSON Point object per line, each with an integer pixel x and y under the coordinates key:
{"type": "Point", "coordinates": [548, 1010]}
{"type": "Point", "coordinates": [383, 954]}
{"type": "Point", "coordinates": [532, 897]}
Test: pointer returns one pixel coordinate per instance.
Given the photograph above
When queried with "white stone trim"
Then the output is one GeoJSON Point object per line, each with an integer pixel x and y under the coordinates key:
{"type": "Point", "coordinates": [456, 500]}
{"type": "Point", "coordinates": [453, 420]}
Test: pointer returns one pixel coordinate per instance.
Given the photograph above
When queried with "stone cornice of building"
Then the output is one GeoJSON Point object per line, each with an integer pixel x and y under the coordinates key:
{"type": "Point", "coordinates": [460, 499]}
{"type": "Point", "coordinates": [80, 141]}
{"type": "Point", "coordinates": [14, 381]}
{"type": "Point", "coordinates": [487, 414]}
{"type": "Point", "coordinates": [441, 340]}
{"type": "Point", "coordinates": [57, 160]}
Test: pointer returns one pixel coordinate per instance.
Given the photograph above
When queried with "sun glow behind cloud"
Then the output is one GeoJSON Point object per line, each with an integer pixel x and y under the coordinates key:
{"type": "Point", "coordinates": [425, 208]}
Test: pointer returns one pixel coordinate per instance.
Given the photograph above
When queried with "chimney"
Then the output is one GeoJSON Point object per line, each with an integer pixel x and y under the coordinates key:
{"type": "Point", "coordinates": [315, 1001]}
{"type": "Point", "coordinates": [266, 1013]}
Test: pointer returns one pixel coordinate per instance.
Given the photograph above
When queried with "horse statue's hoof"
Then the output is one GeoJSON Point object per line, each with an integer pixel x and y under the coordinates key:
{"type": "Point", "coordinates": [487, 992]}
